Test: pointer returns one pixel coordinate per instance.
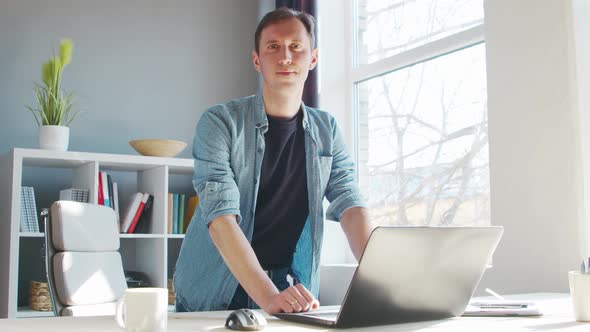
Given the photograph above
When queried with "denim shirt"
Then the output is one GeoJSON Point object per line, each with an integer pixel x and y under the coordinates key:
{"type": "Point", "coordinates": [228, 149]}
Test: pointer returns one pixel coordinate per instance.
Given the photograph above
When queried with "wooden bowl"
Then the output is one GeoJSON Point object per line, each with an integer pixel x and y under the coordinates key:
{"type": "Point", "coordinates": [158, 147]}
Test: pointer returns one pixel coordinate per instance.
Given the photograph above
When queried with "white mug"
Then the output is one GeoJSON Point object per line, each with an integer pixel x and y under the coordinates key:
{"type": "Point", "coordinates": [143, 310]}
{"type": "Point", "coordinates": [580, 292]}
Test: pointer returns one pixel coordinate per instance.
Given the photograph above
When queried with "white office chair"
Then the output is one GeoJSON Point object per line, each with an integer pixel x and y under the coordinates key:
{"type": "Point", "coordinates": [84, 268]}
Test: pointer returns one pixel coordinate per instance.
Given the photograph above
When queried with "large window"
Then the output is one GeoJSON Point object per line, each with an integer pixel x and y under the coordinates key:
{"type": "Point", "coordinates": [420, 96]}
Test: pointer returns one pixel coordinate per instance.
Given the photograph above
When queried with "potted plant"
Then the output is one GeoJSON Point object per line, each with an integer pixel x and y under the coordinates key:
{"type": "Point", "coordinates": [53, 111]}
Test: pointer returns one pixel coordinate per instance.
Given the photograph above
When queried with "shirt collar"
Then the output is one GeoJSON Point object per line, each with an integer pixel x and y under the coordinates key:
{"type": "Point", "coordinates": [259, 114]}
{"type": "Point", "coordinates": [262, 119]}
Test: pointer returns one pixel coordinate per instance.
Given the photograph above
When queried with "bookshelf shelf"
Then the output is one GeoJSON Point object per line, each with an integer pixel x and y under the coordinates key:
{"type": "Point", "coordinates": [175, 236]}
{"type": "Point", "coordinates": [142, 236]}
{"type": "Point", "coordinates": [20, 252]}
{"type": "Point", "coordinates": [26, 312]}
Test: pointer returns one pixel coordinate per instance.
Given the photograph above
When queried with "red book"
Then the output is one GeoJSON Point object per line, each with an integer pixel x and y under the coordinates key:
{"type": "Point", "coordinates": [100, 196]}
{"type": "Point", "coordinates": [138, 213]}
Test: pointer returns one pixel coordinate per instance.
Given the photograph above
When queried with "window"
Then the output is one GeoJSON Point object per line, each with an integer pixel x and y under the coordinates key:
{"type": "Point", "coordinates": [420, 98]}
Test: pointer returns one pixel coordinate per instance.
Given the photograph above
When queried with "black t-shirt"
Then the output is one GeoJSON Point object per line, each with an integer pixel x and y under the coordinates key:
{"type": "Point", "coordinates": [282, 203]}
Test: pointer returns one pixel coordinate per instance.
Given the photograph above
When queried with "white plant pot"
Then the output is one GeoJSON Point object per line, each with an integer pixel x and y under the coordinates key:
{"type": "Point", "coordinates": [54, 137]}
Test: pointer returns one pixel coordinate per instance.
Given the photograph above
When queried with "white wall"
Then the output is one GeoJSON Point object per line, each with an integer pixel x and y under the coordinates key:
{"type": "Point", "coordinates": [140, 68]}
{"type": "Point", "coordinates": [535, 161]}
{"type": "Point", "coordinates": [581, 10]}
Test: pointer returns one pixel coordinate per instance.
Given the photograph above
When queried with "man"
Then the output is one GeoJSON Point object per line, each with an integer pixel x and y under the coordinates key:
{"type": "Point", "coordinates": [263, 165]}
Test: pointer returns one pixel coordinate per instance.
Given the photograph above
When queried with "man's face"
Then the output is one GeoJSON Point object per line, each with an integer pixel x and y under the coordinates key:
{"type": "Point", "coordinates": [285, 55]}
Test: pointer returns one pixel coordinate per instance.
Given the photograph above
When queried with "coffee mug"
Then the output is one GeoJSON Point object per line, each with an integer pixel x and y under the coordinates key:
{"type": "Point", "coordinates": [143, 310]}
{"type": "Point", "coordinates": [580, 292]}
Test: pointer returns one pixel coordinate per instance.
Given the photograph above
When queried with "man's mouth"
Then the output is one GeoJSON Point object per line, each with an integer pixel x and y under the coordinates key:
{"type": "Point", "coordinates": [286, 73]}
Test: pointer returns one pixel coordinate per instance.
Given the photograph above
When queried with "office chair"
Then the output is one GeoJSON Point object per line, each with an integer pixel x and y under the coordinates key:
{"type": "Point", "coordinates": [84, 268]}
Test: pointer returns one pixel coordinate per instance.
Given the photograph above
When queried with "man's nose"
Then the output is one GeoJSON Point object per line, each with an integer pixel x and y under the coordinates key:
{"type": "Point", "coordinates": [285, 58]}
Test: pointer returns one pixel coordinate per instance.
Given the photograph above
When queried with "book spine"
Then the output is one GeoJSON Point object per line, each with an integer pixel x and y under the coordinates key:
{"type": "Point", "coordinates": [29, 220]}
{"type": "Point", "coordinates": [138, 213]}
{"type": "Point", "coordinates": [130, 211]}
{"type": "Point", "coordinates": [111, 195]}
{"type": "Point", "coordinates": [181, 203]}
{"type": "Point", "coordinates": [105, 189]}
{"type": "Point", "coordinates": [175, 215]}
{"type": "Point", "coordinates": [170, 208]}
{"type": "Point", "coordinates": [100, 190]}
{"type": "Point", "coordinates": [116, 199]}
{"type": "Point", "coordinates": [143, 225]}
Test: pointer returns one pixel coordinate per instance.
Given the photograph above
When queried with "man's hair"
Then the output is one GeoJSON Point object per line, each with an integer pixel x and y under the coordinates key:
{"type": "Point", "coordinates": [281, 14]}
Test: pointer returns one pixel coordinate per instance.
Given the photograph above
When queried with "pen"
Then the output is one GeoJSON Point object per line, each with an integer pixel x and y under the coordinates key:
{"type": "Point", "coordinates": [496, 295]}
{"type": "Point", "coordinates": [502, 305]}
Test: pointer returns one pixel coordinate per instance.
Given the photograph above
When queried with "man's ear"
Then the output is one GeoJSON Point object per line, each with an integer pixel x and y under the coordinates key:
{"type": "Point", "coordinates": [256, 61]}
{"type": "Point", "coordinates": [314, 59]}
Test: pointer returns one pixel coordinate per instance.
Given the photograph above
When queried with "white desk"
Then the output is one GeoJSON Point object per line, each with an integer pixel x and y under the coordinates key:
{"type": "Point", "coordinates": [556, 308]}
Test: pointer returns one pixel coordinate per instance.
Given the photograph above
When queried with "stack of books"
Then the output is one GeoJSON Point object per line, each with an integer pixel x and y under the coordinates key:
{"type": "Point", "coordinates": [108, 193]}
{"type": "Point", "coordinates": [136, 218]}
{"type": "Point", "coordinates": [73, 194]}
{"type": "Point", "coordinates": [28, 210]}
{"type": "Point", "coordinates": [180, 212]}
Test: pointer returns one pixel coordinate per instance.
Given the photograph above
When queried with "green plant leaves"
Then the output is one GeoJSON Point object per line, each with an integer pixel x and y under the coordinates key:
{"type": "Point", "coordinates": [54, 105]}
{"type": "Point", "coordinates": [65, 51]}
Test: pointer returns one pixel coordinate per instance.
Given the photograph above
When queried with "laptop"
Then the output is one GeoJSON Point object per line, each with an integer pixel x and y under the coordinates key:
{"type": "Point", "coordinates": [409, 274]}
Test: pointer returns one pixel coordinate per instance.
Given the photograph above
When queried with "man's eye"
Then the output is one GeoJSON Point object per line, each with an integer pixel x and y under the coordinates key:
{"type": "Point", "coordinates": [273, 46]}
{"type": "Point", "coordinates": [297, 46]}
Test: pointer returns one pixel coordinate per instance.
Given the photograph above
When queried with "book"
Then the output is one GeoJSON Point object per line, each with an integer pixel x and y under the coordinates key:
{"type": "Point", "coordinates": [191, 206]}
{"type": "Point", "coordinates": [111, 200]}
{"type": "Point", "coordinates": [116, 199]}
{"type": "Point", "coordinates": [175, 214]}
{"type": "Point", "coordinates": [129, 214]}
{"type": "Point", "coordinates": [181, 199]}
{"type": "Point", "coordinates": [100, 195]}
{"type": "Point", "coordinates": [170, 205]}
{"type": "Point", "coordinates": [29, 221]}
{"type": "Point", "coordinates": [105, 188]}
{"type": "Point", "coordinates": [143, 225]}
{"type": "Point", "coordinates": [138, 213]}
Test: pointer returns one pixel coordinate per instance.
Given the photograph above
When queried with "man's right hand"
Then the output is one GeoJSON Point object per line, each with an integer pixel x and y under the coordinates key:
{"type": "Point", "coordinates": [293, 299]}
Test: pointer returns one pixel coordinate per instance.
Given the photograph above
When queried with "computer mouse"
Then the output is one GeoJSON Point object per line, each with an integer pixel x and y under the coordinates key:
{"type": "Point", "coordinates": [245, 320]}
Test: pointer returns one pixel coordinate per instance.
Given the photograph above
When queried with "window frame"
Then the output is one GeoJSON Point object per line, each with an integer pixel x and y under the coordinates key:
{"type": "Point", "coordinates": [423, 53]}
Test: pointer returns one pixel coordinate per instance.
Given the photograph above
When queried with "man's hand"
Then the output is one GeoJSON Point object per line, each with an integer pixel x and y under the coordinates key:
{"type": "Point", "coordinates": [293, 299]}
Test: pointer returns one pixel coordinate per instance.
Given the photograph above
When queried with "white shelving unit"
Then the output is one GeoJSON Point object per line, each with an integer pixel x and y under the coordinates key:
{"type": "Point", "coordinates": [154, 253]}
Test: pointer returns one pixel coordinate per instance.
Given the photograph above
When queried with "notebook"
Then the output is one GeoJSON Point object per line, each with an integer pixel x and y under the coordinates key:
{"type": "Point", "coordinates": [409, 274]}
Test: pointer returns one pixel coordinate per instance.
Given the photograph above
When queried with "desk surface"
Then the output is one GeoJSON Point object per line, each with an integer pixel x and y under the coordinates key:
{"type": "Point", "coordinates": [556, 308]}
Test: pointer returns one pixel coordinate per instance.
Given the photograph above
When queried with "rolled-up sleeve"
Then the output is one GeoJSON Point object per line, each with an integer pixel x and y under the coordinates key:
{"type": "Point", "coordinates": [342, 189]}
{"type": "Point", "coordinates": [214, 179]}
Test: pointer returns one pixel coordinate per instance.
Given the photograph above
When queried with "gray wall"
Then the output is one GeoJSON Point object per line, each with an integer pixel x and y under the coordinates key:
{"type": "Point", "coordinates": [140, 69]}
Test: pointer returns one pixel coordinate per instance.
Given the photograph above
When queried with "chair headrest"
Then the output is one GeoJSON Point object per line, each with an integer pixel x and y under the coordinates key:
{"type": "Point", "coordinates": [79, 226]}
